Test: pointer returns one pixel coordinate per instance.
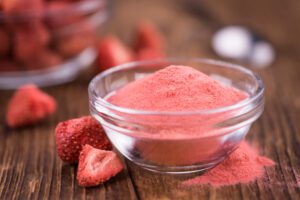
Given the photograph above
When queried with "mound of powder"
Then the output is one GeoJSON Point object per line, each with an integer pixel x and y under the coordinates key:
{"type": "Point", "coordinates": [182, 88]}
{"type": "Point", "coordinates": [176, 88]}
{"type": "Point", "coordinates": [242, 166]}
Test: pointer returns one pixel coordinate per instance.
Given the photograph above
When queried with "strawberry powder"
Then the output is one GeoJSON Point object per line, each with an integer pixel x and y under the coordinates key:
{"type": "Point", "coordinates": [242, 166]}
{"type": "Point", "coordinates": [176, 88]}
{"type": "Point", "coordinates": [181, 88]}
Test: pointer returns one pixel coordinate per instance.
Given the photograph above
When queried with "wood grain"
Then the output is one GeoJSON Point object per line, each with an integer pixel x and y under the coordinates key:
{"type": "Point", "coordinates": [30, 168]}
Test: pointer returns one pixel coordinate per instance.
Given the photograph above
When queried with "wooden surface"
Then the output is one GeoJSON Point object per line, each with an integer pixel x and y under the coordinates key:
{"type": "Point", "coordinates": [30, 168]}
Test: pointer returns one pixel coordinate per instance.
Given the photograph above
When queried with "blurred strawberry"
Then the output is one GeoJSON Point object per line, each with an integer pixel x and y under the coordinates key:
{"type": "Point", "coordinates": [43, 59]}
{"type": "Point", "coordinates": [28, 106]}
{"type": "Point", "coordinates": [149, 54]}
{"type": "Point", "coordinates": [113, 52]}
{"type": "Point", "coordinates": [7, 66]}
{"type": "Point", "coordinates": [148, 37]}
{"type": "Point", "coordinates": [60, 14]}
{"type": "Point", "coordinates": [69, 42]}
{"type": "Point", "coordinates": [29, 40]}
{"type": "Point", "coordinates": [4, 42]}
{"type": "Point", "coordinates": [32, 7]}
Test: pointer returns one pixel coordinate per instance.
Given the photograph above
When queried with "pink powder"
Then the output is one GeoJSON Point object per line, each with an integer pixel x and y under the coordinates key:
{"type": "Point", "coordinates": [242, 166]}
{"type": "Point", "coordinates": [176, 88]}
{"type": "Point", "coordinates": [181, 88]}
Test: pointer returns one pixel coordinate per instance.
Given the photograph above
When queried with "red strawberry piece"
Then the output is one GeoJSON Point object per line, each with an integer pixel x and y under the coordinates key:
{"type": "Point", "coordinates": [28, 106]}
{"type": "Point", "coordinates": [8, 66]}
{"type": "Point", "coordinates": [113, 52]}
{"type": "Point", "coordinates": [148, 36]}
{"type": "Point", "coordinates": [43, 59]}
{"type": "Point", "coordinates": [149, 54]}
{"type": "Point", "coordinates": [73, 134]}
{"type": "Point", "coordinates": [29, 41]}
{"type": "Point", "coordinates": [59, 14]}
{"type": "Point", "coordinates": [97, 166]}
{"type": "Point", "coordinates": [13, 7]}
{"type": "Point", "coordinates": [72, 41]}
{"type": "Point", "coordinates": [5, 42]}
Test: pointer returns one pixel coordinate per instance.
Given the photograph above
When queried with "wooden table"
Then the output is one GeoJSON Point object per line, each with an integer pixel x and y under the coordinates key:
{"type": "Point", "coordinates": [30, 168]}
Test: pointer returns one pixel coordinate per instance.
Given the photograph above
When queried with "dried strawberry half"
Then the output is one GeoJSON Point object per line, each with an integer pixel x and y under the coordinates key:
{"type": "Point", "coordinates": [113, 52]}
{"type": "Point", "coordinates": [97, 166]}
{"type": "Point", "coordinates": [149, 54]}
{"type": "Point", "coordinates": [28, 106]}
{"type": "Point", "coordinates": [73, 134]}
{"type": "Point", "coordinates": [148, 37]}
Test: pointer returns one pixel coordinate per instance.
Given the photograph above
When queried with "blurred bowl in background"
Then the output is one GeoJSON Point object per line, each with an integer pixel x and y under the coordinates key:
{"type": "Point", "coordinates": [47, 42]}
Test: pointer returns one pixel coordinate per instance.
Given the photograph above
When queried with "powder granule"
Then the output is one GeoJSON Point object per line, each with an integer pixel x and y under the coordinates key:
{"type": "Point", "coordinates": [176, 88]}
{"type": "Point", "coordinates": [244, 165]}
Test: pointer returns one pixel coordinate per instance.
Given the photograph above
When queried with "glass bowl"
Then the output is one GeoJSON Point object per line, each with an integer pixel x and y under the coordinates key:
{"type": "Point", "coordinates": [203, 137]}
{"type": "Point", "coordinates": [48, 44]}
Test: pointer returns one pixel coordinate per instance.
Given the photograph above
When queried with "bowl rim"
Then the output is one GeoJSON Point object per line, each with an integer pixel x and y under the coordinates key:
{"type": "Point", "coordinates": [83, 7]}
{"type": "Point", "coordinates": [94, 98]}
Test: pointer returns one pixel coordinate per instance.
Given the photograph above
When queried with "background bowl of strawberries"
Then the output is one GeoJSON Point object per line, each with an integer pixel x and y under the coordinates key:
{"type": "Point", "coordinates": [47, 42]}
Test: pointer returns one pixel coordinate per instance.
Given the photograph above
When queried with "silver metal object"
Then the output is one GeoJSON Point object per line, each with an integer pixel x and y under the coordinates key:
{"type": "Point", "coordinates": [239, 43]}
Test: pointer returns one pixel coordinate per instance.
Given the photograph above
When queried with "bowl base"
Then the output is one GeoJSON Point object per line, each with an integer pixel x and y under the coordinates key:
{"type": "Point", "coordinates": [177, 170]}
{"type": "Point", "coordinates": [59, 74]}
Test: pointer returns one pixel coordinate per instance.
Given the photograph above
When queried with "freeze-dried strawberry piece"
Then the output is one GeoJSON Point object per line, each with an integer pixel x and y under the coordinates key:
{"type": "Point", "coordinates": [73, 134]}
{"type": "Point", "coordinates": [70, 42]}
{"type": "Point", "coordinates": [148, 37]}
{"type": "Point", "coordinates": [8, 66]}
{"type": "Point", "coordinates": [60, 14]}
{"type": "Point", "coordinates": [4, 42]}
{"type": "Point", "coordinates": [149, 54]}
{"type": "Point", "coordinates": [28, 106]}
{"type": "Point", "coordinates": [43, 59]}
{"type": "Point", "coordinates": [97, 166]}
{"type": "Point", "coordinates": [112, 52]}
{"type": "Point", "coordinates": [32, 7]}
{"type": "Point", "coordinates": [28, 41]}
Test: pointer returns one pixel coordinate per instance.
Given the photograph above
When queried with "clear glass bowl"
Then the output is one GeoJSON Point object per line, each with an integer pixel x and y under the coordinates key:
{"type": "Point", "coordinates": [203, 137]}
{"type": "Point", "coordinates": [48, 44]}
